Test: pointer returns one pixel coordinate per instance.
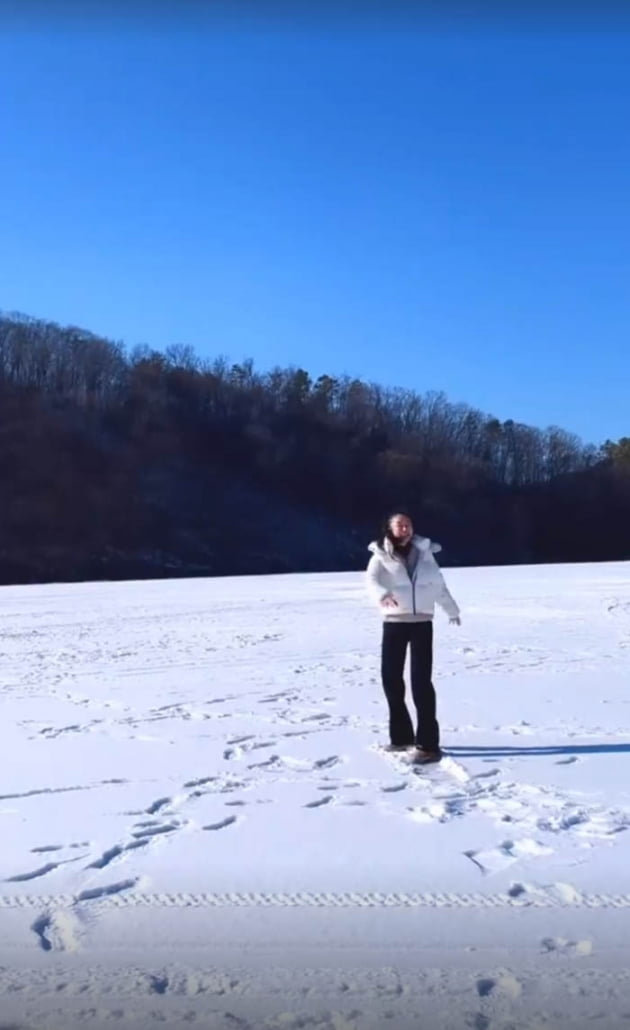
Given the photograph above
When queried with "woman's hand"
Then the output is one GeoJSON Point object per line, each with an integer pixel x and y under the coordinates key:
{"type": "Point", "coordinates": [389, 601]}
{"type": "Point", "coordinates": [455, 621]}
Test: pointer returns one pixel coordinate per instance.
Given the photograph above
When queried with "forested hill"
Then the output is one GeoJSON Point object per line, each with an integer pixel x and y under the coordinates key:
{"type": "Point", "coordinates": [120, 464]}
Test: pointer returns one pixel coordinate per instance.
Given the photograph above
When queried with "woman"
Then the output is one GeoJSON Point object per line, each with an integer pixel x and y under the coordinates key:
{"type": "Point", "coordinates": [405, 580]}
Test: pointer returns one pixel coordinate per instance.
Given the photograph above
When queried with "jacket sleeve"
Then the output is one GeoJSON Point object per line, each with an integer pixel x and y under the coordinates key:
{"type": "Point", "coordinates": [374, 581]}
{"type": "Point", "coordinates": [446, 601]}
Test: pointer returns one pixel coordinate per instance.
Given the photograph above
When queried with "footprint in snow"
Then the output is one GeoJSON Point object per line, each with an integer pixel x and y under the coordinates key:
{"type": "Point", "coordinates": [115, 852]}
{"type": "Point", "coordinates": [517, 890]}
{"type": "Point", "coordinates": [506, 984]}
{"type": "Point", "coordinates": [327, 763]}
{"type": "Point", "coordinates": [223, 824]}
{"type": "Point", "coordinates": [320, 802]}
{"type": "Point", "coordinates": [34, 874]}
{"type": "Point", "coordinates": [563, 822]}
{"type": "Point", "coordinates": [94, 893]}
{"type": "Point", "coordinates": [298, 764]}
{"type": "Point", "coordinates": [154, 831]}
{"type": "Point", "coordinates": [561, 946]}
{"type": "Point", "coordinates": [494, 860]}
{"type": "Point", "coordinates": [267, 764]}
{"type": "Point", "coordinates": [157, 805]}
{"type": "Point", "coordinates": [237, 751]}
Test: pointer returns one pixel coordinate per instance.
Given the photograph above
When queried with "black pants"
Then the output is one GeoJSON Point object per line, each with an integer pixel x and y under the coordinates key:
{"type": "Point", "coordinates": [397, 637]}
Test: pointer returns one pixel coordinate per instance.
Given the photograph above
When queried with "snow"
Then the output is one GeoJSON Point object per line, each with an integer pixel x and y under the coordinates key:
{"type": "Point", "coordinates": [199, 826]}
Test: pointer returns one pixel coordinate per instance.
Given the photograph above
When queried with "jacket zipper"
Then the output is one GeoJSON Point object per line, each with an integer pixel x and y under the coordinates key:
{"type": "Point", "coordinates": [412, 579]}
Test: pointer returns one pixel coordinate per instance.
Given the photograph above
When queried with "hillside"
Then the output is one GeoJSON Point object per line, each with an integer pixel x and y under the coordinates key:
{"type": "Point", "coordinates": [118, 464]}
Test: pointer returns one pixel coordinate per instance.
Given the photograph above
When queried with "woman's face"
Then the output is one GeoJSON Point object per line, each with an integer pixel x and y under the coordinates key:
{"type": "Point", "coordinates": [401, 528]}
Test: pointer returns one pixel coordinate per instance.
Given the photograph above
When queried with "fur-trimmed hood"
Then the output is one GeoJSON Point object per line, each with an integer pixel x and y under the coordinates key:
{"type": "Point", "coordinates": [421, 543]}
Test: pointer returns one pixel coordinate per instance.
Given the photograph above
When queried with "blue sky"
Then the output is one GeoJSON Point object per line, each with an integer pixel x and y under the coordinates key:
{"type": "Point", "coordinates": [411, 203]}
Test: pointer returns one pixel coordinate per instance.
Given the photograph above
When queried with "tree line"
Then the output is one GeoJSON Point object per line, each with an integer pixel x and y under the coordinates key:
{"type": "Point", "coordinates": [121, 462]}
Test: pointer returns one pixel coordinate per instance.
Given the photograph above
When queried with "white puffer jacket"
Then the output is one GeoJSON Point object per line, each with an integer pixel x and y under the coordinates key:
{"type": "Point", "coordinates": [416, 595]}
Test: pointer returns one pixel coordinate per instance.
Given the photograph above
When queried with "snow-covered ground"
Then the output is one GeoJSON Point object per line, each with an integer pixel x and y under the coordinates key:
{"type": "Point", "coordinates": [198, 827]}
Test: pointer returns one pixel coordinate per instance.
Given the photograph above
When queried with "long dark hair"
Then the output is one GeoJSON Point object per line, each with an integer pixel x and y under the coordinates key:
{"type": "Point", "coordinates": [385, 532]}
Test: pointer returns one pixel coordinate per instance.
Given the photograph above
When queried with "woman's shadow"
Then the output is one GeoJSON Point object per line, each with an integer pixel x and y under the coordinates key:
{"type": "Point", "coordinates": [501, 751]}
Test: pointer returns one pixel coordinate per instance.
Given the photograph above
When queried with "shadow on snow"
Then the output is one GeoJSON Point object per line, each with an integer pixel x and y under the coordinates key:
{"type": "Point", "coordinates": [507, 751]}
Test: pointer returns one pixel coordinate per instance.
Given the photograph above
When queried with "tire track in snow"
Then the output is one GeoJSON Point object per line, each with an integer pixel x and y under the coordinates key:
{"type": "Point", "coordinates": [519, 896]}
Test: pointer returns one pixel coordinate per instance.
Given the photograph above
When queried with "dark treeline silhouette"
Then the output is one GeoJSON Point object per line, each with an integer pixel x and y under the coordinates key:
{"type": "Point", "coordinates": [120, 464]}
